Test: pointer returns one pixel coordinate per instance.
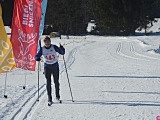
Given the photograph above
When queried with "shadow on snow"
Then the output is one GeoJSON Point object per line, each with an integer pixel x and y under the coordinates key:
{"type": "Point", "coordinates": [126, 103]}
{"type": "Point", "coordinates": [103, 76]}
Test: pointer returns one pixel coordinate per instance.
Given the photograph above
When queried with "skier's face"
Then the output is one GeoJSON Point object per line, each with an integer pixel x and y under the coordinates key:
{"type": "Point", "coordinates": [47, 43]}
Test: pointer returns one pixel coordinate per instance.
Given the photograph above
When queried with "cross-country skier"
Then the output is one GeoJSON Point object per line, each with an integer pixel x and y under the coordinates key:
{"type": "Point", "coordinates": [51, 66]}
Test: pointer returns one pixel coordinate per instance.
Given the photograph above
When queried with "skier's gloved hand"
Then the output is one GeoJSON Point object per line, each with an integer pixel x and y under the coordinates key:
{"type": "Point", "coordinates": [61, 47]}
{"type": "Point", "coordinates": [38, 59]}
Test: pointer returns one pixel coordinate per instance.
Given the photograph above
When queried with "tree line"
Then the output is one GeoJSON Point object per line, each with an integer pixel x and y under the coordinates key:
{"type": "Point", "coordinates": [112, 17]}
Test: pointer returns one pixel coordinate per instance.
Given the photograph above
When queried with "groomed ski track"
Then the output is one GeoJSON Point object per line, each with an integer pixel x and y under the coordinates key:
{"type": "Point", "coordinates": [118, 79]}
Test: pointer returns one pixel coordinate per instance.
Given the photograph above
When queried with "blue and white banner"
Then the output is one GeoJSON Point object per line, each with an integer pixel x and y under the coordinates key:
{"type": "Point", "coordinates": [43, 7]}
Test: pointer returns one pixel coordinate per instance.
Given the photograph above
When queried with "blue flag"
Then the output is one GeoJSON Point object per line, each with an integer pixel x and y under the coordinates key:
{"type": "Point", "coordinates": [43, 7]}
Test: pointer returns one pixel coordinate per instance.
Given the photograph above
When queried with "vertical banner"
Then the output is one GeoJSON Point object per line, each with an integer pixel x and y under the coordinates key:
{"type": "Point", "coordinates": [25, 32]}
{"type": "Point", "coordinates": [43, 8]}
{"type": "Point", "coordinates": [7, 62]}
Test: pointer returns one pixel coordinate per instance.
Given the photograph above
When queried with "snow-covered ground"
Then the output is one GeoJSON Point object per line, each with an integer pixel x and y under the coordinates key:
{"type": "Point", "coordinates": [112, 78]}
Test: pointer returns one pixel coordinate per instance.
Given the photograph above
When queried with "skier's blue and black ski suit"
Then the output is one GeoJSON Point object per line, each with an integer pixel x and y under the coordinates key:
{"type": "Point", "coordinates": [51, 67]}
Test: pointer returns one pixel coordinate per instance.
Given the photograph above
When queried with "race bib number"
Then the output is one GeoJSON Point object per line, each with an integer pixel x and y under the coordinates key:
{"type": "Point", "coordinates": [50, 57]}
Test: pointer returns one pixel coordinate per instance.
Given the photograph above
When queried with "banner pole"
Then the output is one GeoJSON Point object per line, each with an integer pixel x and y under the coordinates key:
{"type": "Point", "coordinates": [5, 96]}
{"type": "Point", "coordinates": [38, 80]}
{"type": "Point", "coordinates": [24, 87]}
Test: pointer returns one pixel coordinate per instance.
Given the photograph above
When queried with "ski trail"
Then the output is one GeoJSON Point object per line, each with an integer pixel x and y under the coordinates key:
{"type": "Point", "coordinates": [132, 49]}
{"type": "Point", "coordinates": [69, 61]}
{"type": "Point", "coordinates": [128, 53]}
{"type": "Point", "coordinates": [71, 57]}
{"type": "Point", "coordinates": [27, 105]}
{"type": "Point", "coordinates": [13, 104]}
{"type": "Point", "coordinates": [119, 52]}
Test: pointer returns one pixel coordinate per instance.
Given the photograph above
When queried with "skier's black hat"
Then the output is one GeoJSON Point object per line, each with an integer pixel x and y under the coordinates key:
{"type": "Point", "coordinates": [47, 39]}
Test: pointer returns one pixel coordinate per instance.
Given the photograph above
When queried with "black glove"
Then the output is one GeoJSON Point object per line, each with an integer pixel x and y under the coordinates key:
{"type": "Point", "coordinates": [61, 47]}
{"type": "Point", "coordinates": [38, 59]}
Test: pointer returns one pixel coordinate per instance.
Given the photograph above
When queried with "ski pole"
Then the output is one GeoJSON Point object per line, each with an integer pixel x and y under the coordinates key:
{"type": "Point", "coordinates": [38, 80]}
{"type": "Point", "coordinates": [5, 96]}
{"type": "Point", "coordinates": [68, 78]}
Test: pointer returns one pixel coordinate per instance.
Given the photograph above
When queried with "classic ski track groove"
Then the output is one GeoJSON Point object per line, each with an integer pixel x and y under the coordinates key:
{"type": "Point", "coordinates": [132, 49]}
{"type": "Point", "coordinates": [12, 104]}
{"type": "Point", "coordinates": [119, 51]}
{"type": "Point", "coordinates": [21, 112]}
{"type": "Point", "coordinates": [133, 54]}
